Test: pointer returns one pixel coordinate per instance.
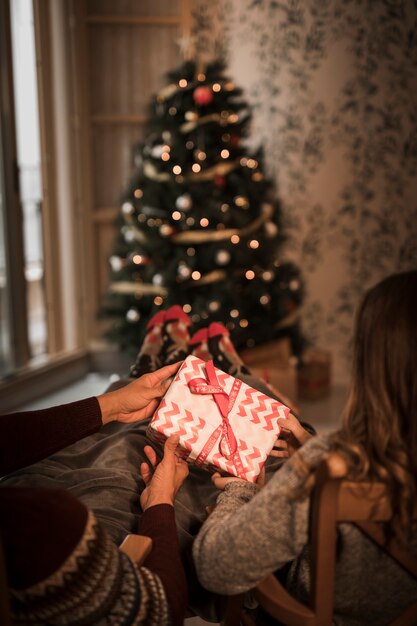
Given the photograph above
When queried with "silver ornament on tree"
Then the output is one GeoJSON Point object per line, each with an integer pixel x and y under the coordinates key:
{"type": "Point", "coordinates": [128, 235]}
{"type": "Point", "coordinates": [133, 315]}
{"type": "Point", "coordinates": [184, 202]}
{"type": "Point", "coordinates": [157, 279]}
{"type": "Point", "coordinates": [128, 208]}
{"type": "Point", "coordinates": [184, 271]}
{"type": "Point", "coordinates": [156, 151]}
{"type": "Point", "coordinates": [116, 263]}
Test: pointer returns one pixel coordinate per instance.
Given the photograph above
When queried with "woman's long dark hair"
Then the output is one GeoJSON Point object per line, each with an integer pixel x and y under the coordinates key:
{"type": "Point", "coordinates": [379, 431]}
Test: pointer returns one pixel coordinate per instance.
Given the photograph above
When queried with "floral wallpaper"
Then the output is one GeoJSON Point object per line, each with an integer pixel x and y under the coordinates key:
{"type": "Point", "coordinates": [333, 85]}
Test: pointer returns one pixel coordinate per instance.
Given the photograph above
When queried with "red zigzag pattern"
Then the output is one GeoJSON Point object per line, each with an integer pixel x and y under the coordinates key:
{"type": "Point", "coordinates": [186, 427]}
{"type": "Point", "coordinates": [253, 456]}
{"type": "Point", "coordinates": [261, 410]}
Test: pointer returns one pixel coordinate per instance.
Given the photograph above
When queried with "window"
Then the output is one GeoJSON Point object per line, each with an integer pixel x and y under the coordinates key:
{"type": "Point", "coordinates": [42, 293]}
{"type": "Point", "coordinates": [29, 169]}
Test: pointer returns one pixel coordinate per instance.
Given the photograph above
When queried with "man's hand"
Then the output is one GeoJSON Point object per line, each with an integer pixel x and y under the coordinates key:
{"type": "Point", "coordinates": [292, 437]}
{"type": "Point", "coordinates": [138, 400]}
{"type": "Point", "coordinates": [167, 478]}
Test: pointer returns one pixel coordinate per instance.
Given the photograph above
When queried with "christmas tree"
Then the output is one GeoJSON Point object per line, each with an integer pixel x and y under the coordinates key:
{"type": "Point", "coordinates": [200, 225]}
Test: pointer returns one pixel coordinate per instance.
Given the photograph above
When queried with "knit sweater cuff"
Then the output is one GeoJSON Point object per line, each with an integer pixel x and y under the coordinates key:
{"type": "Point", "coordinates": [243, 489]}
{"type": "Point", "coordinates": [156, 520]}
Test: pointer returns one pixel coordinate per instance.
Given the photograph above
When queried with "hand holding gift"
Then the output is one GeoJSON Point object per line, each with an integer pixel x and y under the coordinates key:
{"type": "Point", "coordinates": [222, 423]}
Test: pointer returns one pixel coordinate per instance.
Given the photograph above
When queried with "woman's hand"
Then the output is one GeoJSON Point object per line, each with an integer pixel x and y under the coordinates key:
{"type": "Point", "coordinates": [167, 478]}
{"type": "Point", "coordinates": [139, 399]}
{"type": "Point", "coordinates": [292, 437]}
{"type": "Point", "coordinates": [220, 481]}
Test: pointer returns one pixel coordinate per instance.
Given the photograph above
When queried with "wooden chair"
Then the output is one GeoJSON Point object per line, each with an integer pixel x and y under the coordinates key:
{"type": "Point", "coordinates": [137, 547]}
{"type": "Point", "coordinates": [334, 500]}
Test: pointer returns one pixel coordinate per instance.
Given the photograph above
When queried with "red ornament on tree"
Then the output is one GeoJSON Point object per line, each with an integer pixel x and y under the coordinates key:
{"type": "Point", "coordinates": [203, 95]}
{"type": "Point", "coordinates": [234, 141]}
{"type": "Point", "coordinates": [219, 181]}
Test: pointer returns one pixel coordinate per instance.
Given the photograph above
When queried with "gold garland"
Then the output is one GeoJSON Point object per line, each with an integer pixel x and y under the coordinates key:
{"type": "Point", "coordinates": [167, 91]}
{"type": "Point", "coordinates": [192, 124]}
{"type": "Point", "coordinates": [291, 319]}
{"type": "Point", "coordinates": [204, 236]}
{"type": "Point", "coordinates": [212, 277]}
{"type": "Point", "coordinates": [151, 172]}
{"type": "Point", "coordinates": [220, 169]}
{"type": "Point", "coordinates": [132, 288]}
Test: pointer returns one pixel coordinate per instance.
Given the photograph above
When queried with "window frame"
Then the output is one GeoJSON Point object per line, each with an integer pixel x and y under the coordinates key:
{"type": "Point", "coordinates": [67, 358]}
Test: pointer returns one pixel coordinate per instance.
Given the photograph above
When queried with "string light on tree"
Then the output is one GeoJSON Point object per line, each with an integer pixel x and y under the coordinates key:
{"type": "Point", "coordinates": [139, 259]}
{"type": "Point", "coordinates": [222, 257]}
{"type": "Point", "coordinates": [166, 230]}
{"type": "Point", "coordinates": [184, 271]}
{"type": "Point", "coordinates": [267, 276]}
{"type": "Point", "coordinates": [241, 202]}
{"type": "Point", "coordinates": [214, 306]}
{"type": "Point", "coordinates": [271, 229]}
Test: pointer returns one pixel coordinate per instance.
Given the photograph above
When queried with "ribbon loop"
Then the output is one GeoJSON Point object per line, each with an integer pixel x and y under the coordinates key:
{"type": "Point", "coordinates": [224, 401]}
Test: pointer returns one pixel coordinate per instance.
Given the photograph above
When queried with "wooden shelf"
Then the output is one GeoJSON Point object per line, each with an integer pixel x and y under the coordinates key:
{"type": "Point", "coordinates": [134, 20]}
{"type": "Point", "coordinates": [118, 119]}
{"type": "Point", "coordinates": [101, 215]}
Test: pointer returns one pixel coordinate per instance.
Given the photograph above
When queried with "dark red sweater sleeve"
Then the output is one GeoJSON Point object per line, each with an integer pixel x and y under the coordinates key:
{"type": "Point", "coordinates": [158, 523]}
{"type": "Point", "coordinates": [33, 435]}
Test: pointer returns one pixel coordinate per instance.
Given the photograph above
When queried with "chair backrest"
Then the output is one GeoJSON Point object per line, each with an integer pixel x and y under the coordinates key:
{"type": "Point", "coordinates": [334, 500]}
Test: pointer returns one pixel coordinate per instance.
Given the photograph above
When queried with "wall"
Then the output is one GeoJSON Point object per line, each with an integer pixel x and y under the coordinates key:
{"type": "Point", "coordinates": [334, 92]}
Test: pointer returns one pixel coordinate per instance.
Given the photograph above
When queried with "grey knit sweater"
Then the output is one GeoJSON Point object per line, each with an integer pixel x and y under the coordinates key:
{"type": "Point", "coordinates": [253, 532]}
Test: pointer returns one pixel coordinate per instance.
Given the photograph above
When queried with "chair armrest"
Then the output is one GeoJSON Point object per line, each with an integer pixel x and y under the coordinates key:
{"type": "Point", "coordinates": [280, 604]}
{"type": "Point", "coordinates": [137, 547]}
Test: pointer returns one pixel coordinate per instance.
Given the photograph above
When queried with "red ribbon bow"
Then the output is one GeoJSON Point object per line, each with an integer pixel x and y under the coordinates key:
{"type": "Point", "coordinates": [225, 402]}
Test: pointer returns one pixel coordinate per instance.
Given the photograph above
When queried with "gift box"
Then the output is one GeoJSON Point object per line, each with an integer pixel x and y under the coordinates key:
{"type": "Point", "coordinates": [274, 354]}
{"type": "Point", "coordinates": [223, 424]}
{"type": "Point", "coordinates": [283, 382]}
{"type": "Point", "coordinates": [314, 374]}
